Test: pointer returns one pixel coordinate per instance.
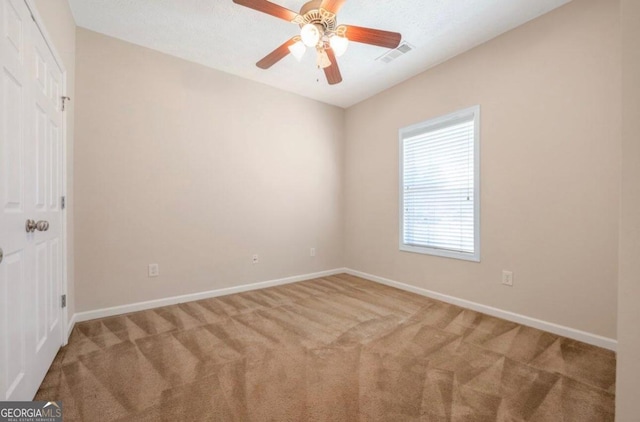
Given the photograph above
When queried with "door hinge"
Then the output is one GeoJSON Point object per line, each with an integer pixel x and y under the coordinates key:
{"type": "Point", "coordinates": [64, 301]}
{"type": "Point", "coordinates": [63, 202]}
{"type": "Point", "coordinates": [64, 101]}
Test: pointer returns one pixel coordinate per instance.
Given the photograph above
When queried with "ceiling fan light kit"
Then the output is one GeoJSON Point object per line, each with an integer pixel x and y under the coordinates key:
{"type": "Point", "coordinates": [298, 49]}
{"type": "Point", "coordinates": [339, 44]}
{"type": "Point", "coordinates": [319, 30]}
{"type": "Point", "coordinates": [310, 34]}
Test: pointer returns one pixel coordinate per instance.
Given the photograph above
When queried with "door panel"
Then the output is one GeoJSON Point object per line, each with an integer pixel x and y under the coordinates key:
{"type": "Point", "coordinates": [15, 27]}
{"type": "Point", "coordinates": [41, 156]}
{"type": "Point", "coordinates": [54, 170]}
{"type": "Point", "coordinates": [12, 142]}
{"type": "Point", "coordinates": [15, 328]}
{"type": "Point", "coordinates": [45, 77]}
{"type": "Point", "coordinates": [41, 72]}
{"type": "Point", "coordinates": [40, 293]}
{"type": "Point", "coordinates": [54, 283]}
{"type": "Point", "coordinates": [12, 324]}
{"type": "Point", "coordinates": [31, 274]}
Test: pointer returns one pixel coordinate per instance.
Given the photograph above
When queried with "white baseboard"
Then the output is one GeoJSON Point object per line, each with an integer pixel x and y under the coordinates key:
{"type": "Point", "coordinates": [583, 336]}
{"type": "Point", "coordinates": [561, 330]}
{"type": "Point", "coordinates": [141, 306]}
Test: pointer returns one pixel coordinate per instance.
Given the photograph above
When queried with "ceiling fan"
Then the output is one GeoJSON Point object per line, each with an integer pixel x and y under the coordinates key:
{"type": "Point", "coordinates": [319, 30]}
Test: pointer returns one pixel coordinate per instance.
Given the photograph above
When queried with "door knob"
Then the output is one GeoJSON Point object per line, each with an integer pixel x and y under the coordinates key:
{"type": "Point", "coordinates": [32, 226]}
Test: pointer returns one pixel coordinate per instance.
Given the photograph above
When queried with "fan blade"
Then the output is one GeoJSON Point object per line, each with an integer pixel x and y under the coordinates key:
{"type": "Point", "coordinates": [332, 6]}
{"type": "Point", "coordinates": [332, 72]}
{"type": "Point", "coordinates": [373, 36]}
{"type": "Point", "coordinates": [276, 55]}
{"type": "Point", "coordinates": [269, 8]}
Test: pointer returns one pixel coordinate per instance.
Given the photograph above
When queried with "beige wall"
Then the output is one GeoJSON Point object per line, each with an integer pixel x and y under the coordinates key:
{"type": "Point", "coordinates": [196, 170]}
{"type": "Point", "coordinates": [61, 27]}
{"type": "Point", "coordinates": [628, 386]}
{"type": "Point", "coordinates": [549, 93]}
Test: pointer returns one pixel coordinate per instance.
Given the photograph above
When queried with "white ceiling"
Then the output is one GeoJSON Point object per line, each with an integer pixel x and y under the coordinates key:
{"type": "Point", "coordinates": [232, 38]}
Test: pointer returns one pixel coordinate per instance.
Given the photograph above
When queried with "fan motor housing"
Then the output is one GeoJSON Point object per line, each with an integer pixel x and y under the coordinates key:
{"type": "Point", "coordinates": [311, 12]}
{"type": "Point", "coordinates": [309, 6]}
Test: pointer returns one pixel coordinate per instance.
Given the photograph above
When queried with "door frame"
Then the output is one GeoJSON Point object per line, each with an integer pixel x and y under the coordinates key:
{"type": "Point", "coordinates": [39, 22]}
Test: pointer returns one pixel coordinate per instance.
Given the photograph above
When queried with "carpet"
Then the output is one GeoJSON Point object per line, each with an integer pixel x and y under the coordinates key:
{"type": "Point", "coordinates": [337, 348]}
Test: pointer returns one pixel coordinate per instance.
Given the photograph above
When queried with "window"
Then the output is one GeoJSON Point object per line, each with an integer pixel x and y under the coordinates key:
{"type": "Point", "coordinates": [440, 190]}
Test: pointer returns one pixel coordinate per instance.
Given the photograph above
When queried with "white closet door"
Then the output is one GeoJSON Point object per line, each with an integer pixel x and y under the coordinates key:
{"type": "Point", "coordinates": [30, 189]}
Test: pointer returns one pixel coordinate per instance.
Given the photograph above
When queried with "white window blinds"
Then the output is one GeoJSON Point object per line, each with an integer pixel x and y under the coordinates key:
{"type": "Point", "coordinates": [439, 182]}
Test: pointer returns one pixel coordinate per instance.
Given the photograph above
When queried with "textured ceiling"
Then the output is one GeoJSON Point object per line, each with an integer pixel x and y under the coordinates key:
{"type": "Point", "coordinates": [232, 38]}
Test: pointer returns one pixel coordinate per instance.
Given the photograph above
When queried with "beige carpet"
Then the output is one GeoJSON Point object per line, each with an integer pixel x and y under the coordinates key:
{"type": "Point", "coordinates": [333, 349]}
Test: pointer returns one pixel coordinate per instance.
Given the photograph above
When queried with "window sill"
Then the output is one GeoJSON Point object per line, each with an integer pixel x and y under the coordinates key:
{"type": "Point", "coordinates": [441, 253]}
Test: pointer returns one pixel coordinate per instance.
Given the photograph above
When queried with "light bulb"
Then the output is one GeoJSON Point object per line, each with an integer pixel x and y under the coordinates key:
{"type": "Point", "coordinates": [310, 35]}
{"type": "Point", "coordinates": [297, 50]}
{"type": "Point", "coordinates": [323, 59]}
{"type": "Point", "coordinates": [339, 45]}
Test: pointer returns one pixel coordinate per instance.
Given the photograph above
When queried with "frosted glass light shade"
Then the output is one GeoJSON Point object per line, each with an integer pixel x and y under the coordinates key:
{"type": "Point", "coordinates": [339, 45]}
{"type": "Point", "coordinates": [297, 50]}
{"type": "Point", "coordinates": [310, 35]}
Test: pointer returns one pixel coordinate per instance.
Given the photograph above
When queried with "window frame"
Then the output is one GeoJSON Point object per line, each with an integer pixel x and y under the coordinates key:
{"type": "Point", "coordinates": [425, 126]}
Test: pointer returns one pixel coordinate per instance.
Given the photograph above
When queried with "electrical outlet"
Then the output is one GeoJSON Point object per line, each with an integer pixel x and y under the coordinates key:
{"type": "Point", "coordinates": [507, 278]}
{"type": "Point", "coordinates": [312, 252]}
{"type": "Point", "coordinates": [255, 259]}
{"type": "Point", "coordinates": [154, 270]}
